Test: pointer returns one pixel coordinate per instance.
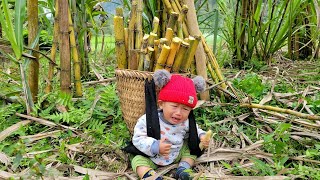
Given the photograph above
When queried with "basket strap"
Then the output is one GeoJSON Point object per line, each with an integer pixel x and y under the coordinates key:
{"type": "Point", "coordinates": [193, 140]}
{"type": "Point", "coordinates": [153, 126]}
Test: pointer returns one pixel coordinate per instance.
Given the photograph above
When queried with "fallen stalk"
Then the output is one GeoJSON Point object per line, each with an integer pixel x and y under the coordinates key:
{"type": "Point", "coordinates": [43, 121]}
{"type": "Point", "coordinates": [277, 109]}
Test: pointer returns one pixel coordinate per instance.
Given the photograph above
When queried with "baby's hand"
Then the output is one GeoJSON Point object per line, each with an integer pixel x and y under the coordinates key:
{"type": "Point", "coordinates": [205, 140]}
{"type": "Point", "coordinates": [164, 147]}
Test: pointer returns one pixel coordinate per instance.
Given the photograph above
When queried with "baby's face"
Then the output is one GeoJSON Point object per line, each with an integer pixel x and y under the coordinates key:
{"type": "Point", "coordinates": [174, 113]}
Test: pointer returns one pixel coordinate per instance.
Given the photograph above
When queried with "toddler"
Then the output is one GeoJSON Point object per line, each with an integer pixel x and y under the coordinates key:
{"type": "Point", "coordinates": [179, 135]}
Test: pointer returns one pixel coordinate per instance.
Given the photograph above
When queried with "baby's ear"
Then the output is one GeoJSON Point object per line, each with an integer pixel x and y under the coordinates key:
{"type": "Point", "coordinates": [161, 77]}
{"type": "Point", "coordinates": [199, 83]}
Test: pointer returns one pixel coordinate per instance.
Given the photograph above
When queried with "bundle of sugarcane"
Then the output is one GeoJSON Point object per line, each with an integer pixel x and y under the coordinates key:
{"type": "Point", "coordinates": [168, 46]}
{"type": "Point", "coordinates": [174, 51]}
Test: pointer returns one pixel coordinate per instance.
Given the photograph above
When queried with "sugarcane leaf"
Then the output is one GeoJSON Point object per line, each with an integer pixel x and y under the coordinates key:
{"type": "Point", "coordinates": [8, 28]}
{"type": "Point", "coordinates": [10, 57]}
{"type": "Point", "coordinates": [257, 14]}
{"type": "Point", "coordinates": [20, 14]}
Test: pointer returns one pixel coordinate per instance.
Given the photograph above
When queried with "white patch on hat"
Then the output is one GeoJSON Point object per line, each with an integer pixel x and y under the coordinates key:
{"type": "Point", "coordinates": [191, 99]}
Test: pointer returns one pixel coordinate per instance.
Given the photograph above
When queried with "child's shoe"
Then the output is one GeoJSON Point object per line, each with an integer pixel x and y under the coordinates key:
{"type": "Point", "coordinates": [151, 173]}
{"type": "Point", "coordinates": [181, 174]}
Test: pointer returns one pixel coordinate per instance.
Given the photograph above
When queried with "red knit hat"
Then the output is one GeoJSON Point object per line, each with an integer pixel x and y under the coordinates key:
{"type": "Point", "coordinates": [180, 90]}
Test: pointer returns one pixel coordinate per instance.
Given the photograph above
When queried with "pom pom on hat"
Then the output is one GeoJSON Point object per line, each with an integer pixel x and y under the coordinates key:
{"type": "Point", "coordinates": [177, 88]}
{"type": "Point", "coordinates": [199, 83]}
{"type": "Point", "coordinates": [161, 77]}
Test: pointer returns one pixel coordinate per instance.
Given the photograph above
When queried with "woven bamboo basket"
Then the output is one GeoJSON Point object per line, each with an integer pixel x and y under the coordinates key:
{"type": "Point", "coordinates": [130, 87]}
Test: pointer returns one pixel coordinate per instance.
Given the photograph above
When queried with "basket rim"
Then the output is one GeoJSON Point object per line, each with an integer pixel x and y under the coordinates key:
{"type": "Point", "coordinates": [129, 73]}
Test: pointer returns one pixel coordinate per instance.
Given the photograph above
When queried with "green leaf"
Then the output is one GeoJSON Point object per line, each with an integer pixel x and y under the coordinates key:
{"type": "Point", "coordinates": [8, 28]}
{"type": "Point", "coordinates": [20, 15]}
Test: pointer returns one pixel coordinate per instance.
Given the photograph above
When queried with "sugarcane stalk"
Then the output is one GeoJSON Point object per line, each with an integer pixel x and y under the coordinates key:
{"type": "Point", "coordinates": [155, 24]}
{"type": "Point", "coordinates": [119, 11]}
{"type": "Point", "coordinates": [185, 30]}
{"type": "Point", "coordinates": [126, 39]}
{"type": "Point", "coordinates": [55, 44]}
{"type": "Point", "coordinates": [174, 48]}
{"type": "Point", "coordinates": [151, 39]}
{"type": "Point", "coordinates": [189, 56]}
{"type": "Point", "coordinates": [131, 28]}
{"type": "Point", "coordinates": [172, 20]}
{"type": "Point", "coordinates": [138, 32]}
{"type": "Point", "coordinates": [178, 5]}
{"type": "Point", "coordinates": [143, 51]}
{"type": "Point", "coordinates": [200, 55]}
{"type": "Point", "coordinates": [133, 62]}
{"type": "Point", "coordinates": [169, 36]}
{"type": "Point", "coordinates": [213, 62]}
{"type": "Point", "coordinates": [163, 41]}
{"type": "Point", "coordinates": [174, 6]}
{"type": "Point", "coordinates": [148, 60]}
{"type": "Point", "coordinates": [207, 137]}
{"type": "Point", "coordinates": [168, 5]}
{"type": "Point", "coordinates": [212, 73]}
{"type": "Point", "coordinates": [179, 56]}
{"type": "Point", "coordinates": [120, 42]}
{"type": "Point", "coordinates": [164, 21]}
{"type": "Point", "coordinates": [64, 47]}
{"type": "Point", "coordinates": [193, 68]}
{"type": "Point", "coordinates": [156, 52]}
{"type": "Point", "coordinates": [34, 65]}
{"type": "Point", "coordinates": [282, 110]}
{"type": "Point", "coordinates": [161, 62]}
{"type": "Point", "coordinates": [75, 57]}
{"type": "Point", "coordinates": [181, 20]}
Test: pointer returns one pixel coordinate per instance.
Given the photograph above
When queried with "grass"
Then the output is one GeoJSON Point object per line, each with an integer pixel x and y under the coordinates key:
{"type": "Point", "coordinates": [101, 130]}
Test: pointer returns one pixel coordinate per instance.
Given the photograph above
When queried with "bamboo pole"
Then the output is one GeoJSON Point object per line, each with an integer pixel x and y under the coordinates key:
{"type": "Point", "coordinates": [174, 48]}
{"type": "Point", "coordinates": [163, 57]}
{"type": "Point", "coordinates": [64, 47]}
{"type": "Point", "coordinates": [120, 40]}
{"type": "Point", "coordinates": [277, 109]}
{"type": "Point", "coordinates": [54, 46]}
{"type": "Point", "coordinates": [33, 78]}
{"type": "Point", "coordinates": [189, 55]}
{"type": "Point", "coordinates": [76, 62]}
{"type": "Point", "coordinates": [179, 57]}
